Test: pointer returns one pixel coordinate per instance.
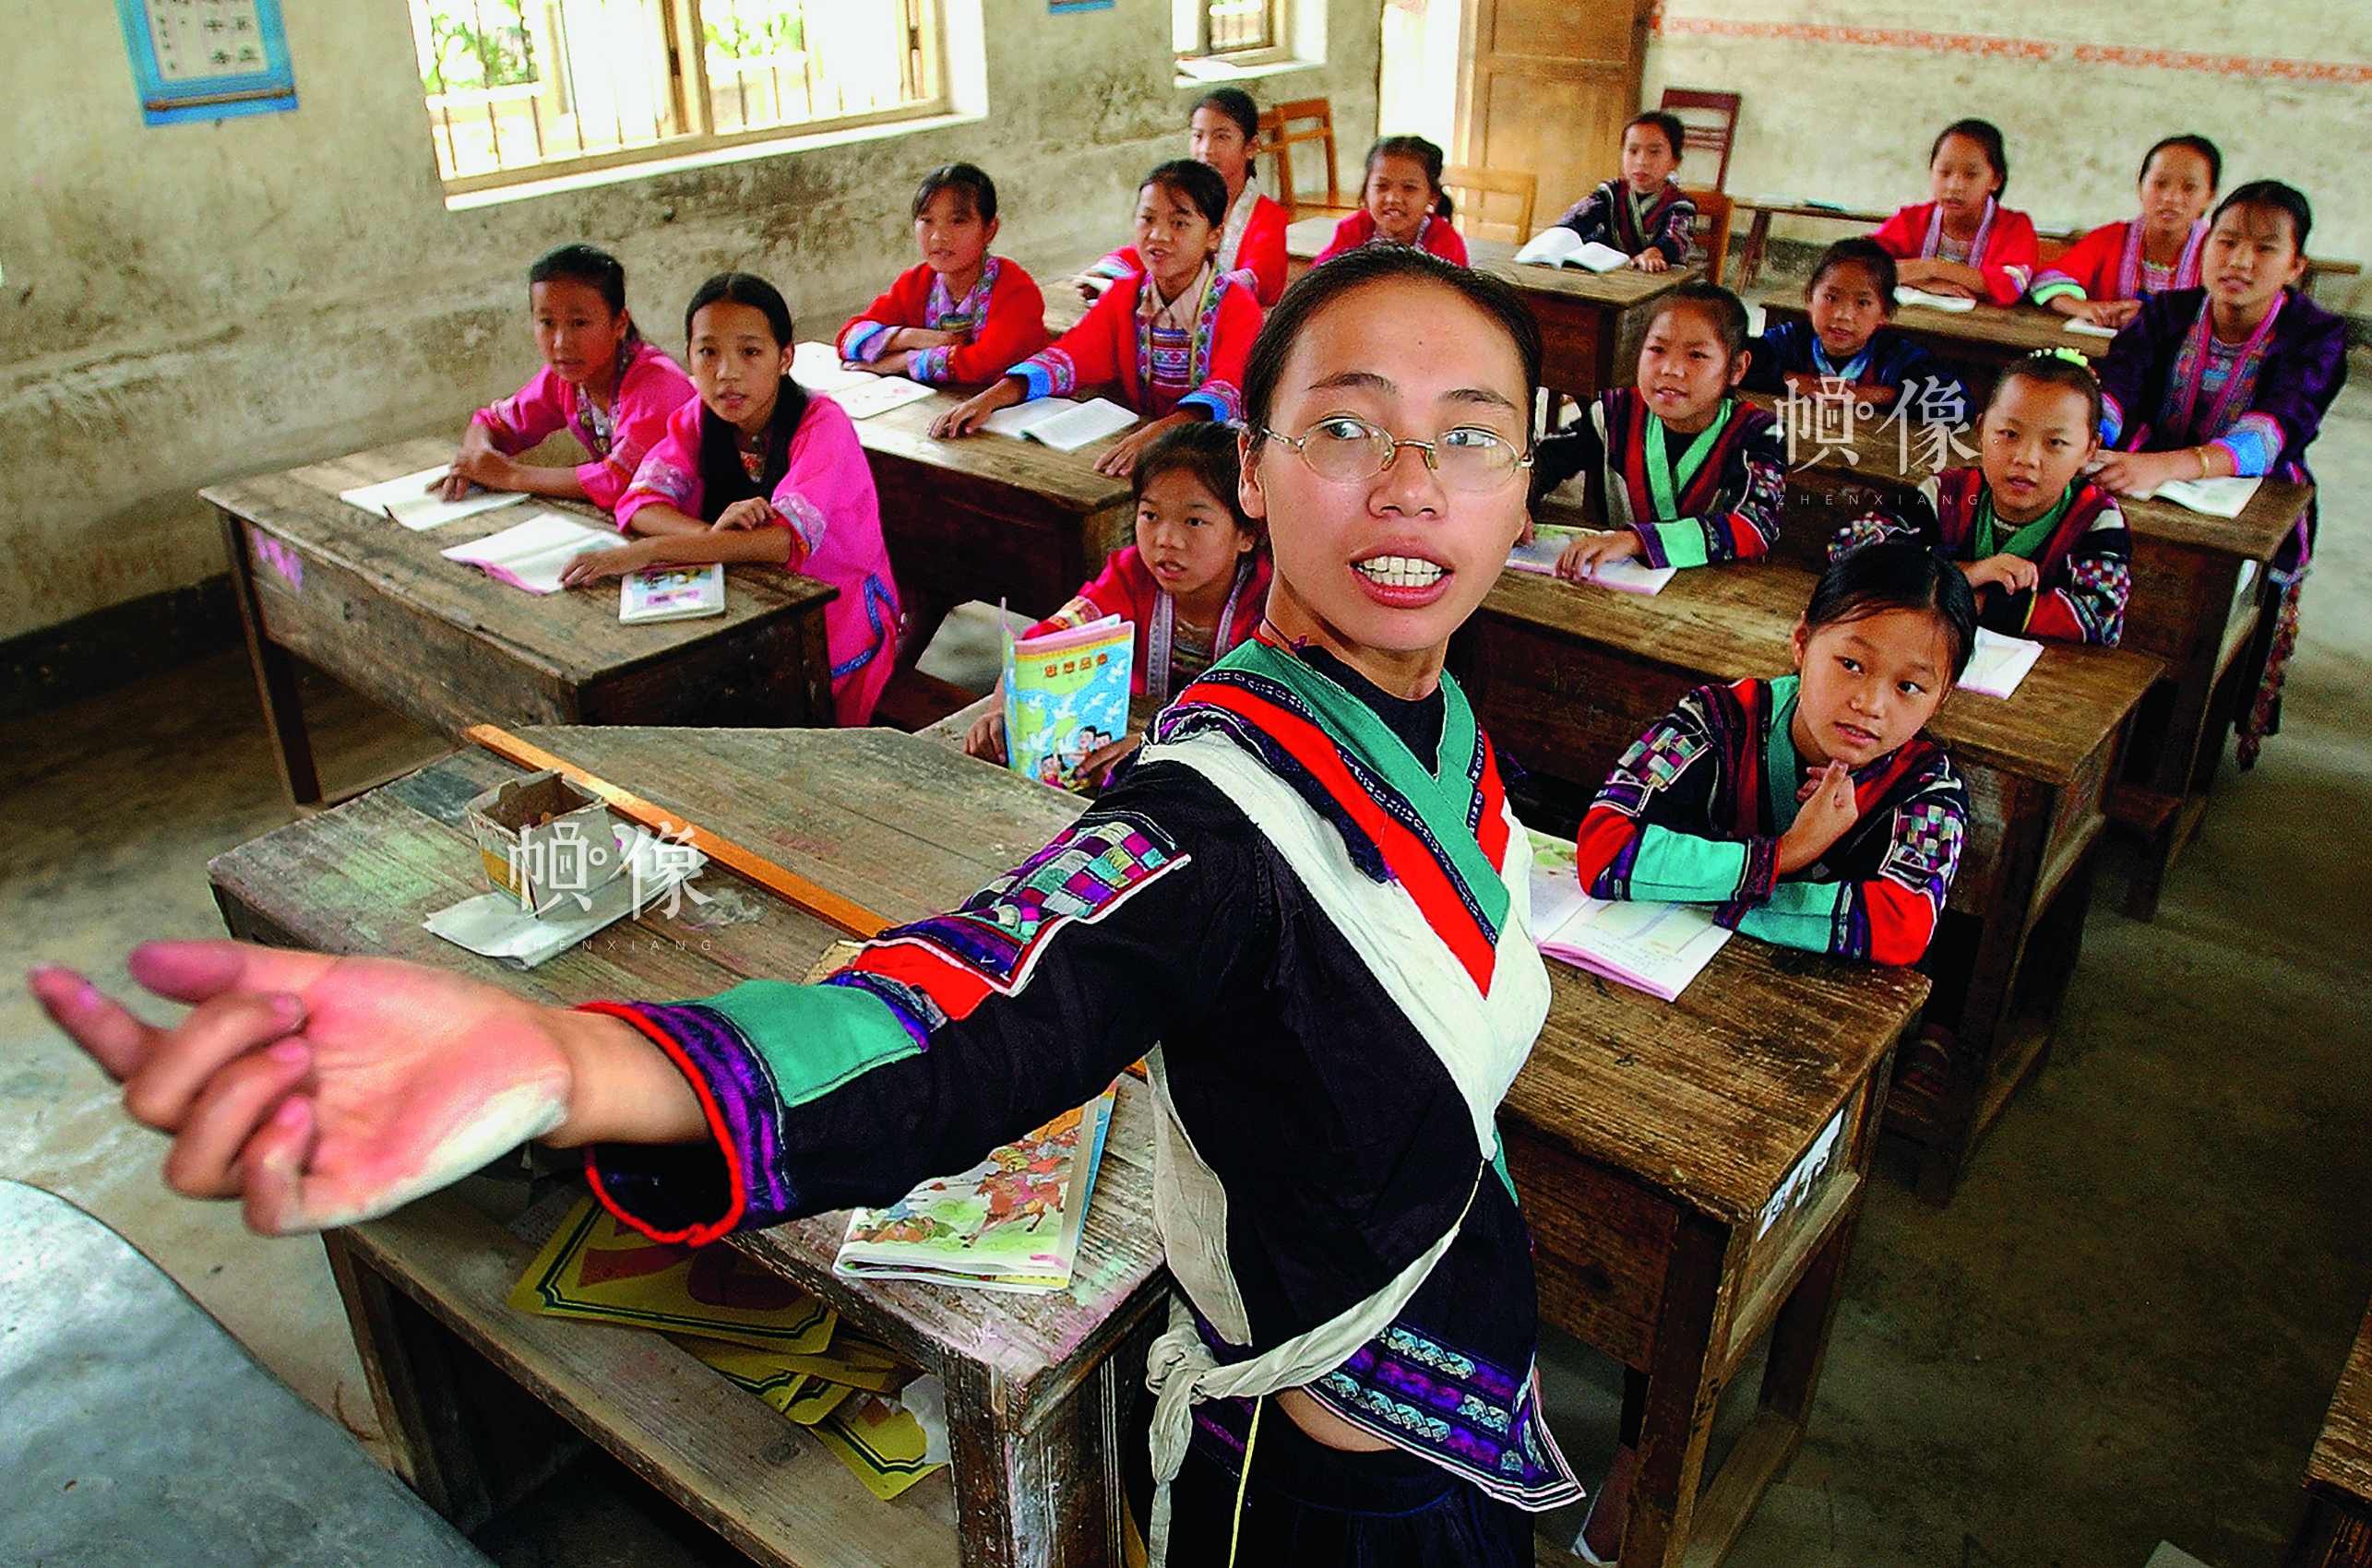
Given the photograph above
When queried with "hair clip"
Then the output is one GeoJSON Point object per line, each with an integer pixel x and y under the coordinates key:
{"type": "Point", "coordinates": [2062, 352]}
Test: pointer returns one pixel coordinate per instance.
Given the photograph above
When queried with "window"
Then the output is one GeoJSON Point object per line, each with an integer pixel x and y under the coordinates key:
{"type": "Point", "coordinates": [527, 89]}
{"type": "Point", "coordinates": [1228, 30]}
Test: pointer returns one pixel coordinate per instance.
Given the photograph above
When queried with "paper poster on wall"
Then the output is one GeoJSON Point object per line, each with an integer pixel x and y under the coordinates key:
{"type": "Point", "coordinates": [207, 59]}
{"type": "Point", "coordinates": [1063, 7]}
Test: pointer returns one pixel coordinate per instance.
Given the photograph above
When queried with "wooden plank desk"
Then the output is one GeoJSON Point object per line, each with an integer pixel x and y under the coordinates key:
{"type": "Point", "coordinates": [1565, 677]}
{"type": "Point", "coordinates": [2197, 599]}
{"type": "Point", "coordinates": [1652, 1139]}
{"type": "Point", "coordinates": [1590, 323]}
{"type": "Point", "coordinates": [987, 516]}
{"type": "Point", "coordinates": [373, 604]}
{"type": "Point", "coordinates": [1035, 1385]}
{"type": "Point", "coordinates": [2337, 1530]}
{"type": "Point", "coordinates": [1980, 342]}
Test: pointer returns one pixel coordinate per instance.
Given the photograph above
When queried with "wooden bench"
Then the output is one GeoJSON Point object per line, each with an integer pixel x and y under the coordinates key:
{"type": "Point", "coordinates": [2337, 1529]}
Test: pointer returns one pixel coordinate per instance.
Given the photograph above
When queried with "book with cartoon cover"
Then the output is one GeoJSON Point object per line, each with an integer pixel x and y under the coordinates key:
{"type": "Point", "coordinates": [1065, 696]}
{"type": "Point", "coordinates": [1012, 1222]}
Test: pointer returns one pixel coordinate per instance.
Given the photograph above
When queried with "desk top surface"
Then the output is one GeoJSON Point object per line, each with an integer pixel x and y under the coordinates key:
{"type": "Point", "coordinates": [575, 632]}
{"type": "Point", "coordinates": [2342, 1454]}
{"type": "Point", "coordinates": [1622, 287]}
{"type": "Point", "coordinates": [1723, 623]}
{"type": "Point", "coordinates": [1887, 455]}
{"type": "Point", "coordinates": [2017, 331]}
{"type": "Point", "coordinates": [1067, 477]}
{"type": "Point", "coordinates": [1712, 1097]}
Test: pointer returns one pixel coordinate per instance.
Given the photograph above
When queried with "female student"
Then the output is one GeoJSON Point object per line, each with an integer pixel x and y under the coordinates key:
{"type": "Point", "coordinates": [2233, 377]}
{"type": "Point", "coordinates": [759, 469]}
{"type": "Point", "coordinates": [2107, 273]}
{"type": "Point", "coordinates": [1961, 241]}
{"type": "Point", "coordinates": [1174, 337]}
{"type": "Point", "coordinates": [963, 314]}
{"type": "Point", "coordinates": [1224, 133]}
{"type": "Point", "coordinates": [1194, 582]}
{"type": "Point", "coordinates": [1679, 471]}
{"type": "Point", "coordinates": [2045, 547]}
{"type": "Point", "coordinates": [1847, 347]}
{"type": "Point", "coordinates": [1645, 214]}
{"type": "Point", "coordinates": [1307, 889]}
{"type": "Point", "coordinates": [601, 381]}
{"type": "Point", "coordinates": [1402, 204]}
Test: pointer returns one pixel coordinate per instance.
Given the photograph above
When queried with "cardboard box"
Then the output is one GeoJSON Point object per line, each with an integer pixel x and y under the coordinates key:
{"type": "Point", "coordinates": [544, 842]}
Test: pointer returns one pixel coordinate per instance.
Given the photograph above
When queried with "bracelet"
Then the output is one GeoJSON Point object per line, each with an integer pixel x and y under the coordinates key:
{"type": "Point", "coordinates": [2200, 453]}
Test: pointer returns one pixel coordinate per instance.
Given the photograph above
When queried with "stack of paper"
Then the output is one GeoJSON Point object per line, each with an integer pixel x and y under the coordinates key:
{"type": "Point", "coordinates": [1910, 296]}
{"type": "Point", "coordinates": [1560, 247]}
{"type": "Point", "coordinates": [1998, 663]}
{"type": "Point", "coordinates": [1548, 542]}
{"type": "Point", "coordinates": [1012, 1222]}
{"type": "Point", "coordinates": [1061, 423]}
{"type": "Point", "coordinates": [413, 501]}
{"type": "Point", "coordinates": [533, 553]}
{"type": "Point", "coordinates": [1657, 948]}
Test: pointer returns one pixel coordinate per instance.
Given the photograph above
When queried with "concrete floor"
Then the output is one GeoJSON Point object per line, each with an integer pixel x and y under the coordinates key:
{"type": "Point", "coordinates": [2124, 1329]}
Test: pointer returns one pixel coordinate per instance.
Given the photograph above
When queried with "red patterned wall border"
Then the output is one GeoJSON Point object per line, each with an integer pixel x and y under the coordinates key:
{"type": "Point", "coordinates": [2014, 48]}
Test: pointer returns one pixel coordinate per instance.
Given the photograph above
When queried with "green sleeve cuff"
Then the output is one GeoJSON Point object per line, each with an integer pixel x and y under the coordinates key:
{"type": "Point", "coordinates": [2052, 288]}
{"type": "Point", "coordinates": [813, 1038]}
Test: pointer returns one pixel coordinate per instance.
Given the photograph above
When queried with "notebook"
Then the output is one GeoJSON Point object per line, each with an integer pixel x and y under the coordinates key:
{"type": "Point", "coordinates": [1657, 948]}
{"type": "Point", "coordinates": [672, 593]}
{"type": "Point", "coordinates": [532, 555]}
{"type": "Point", "coordinates": [1549, 540]}
{"type": "Point", "coordinates": [1061, 423]}
{"type": "Point", "coordinates": [1560, 247]}
{"type": "Point", "coordinates": [1999, 663]}
{"type": "Point", "coordinates": [1012, 1222]}
{"type": "Point", "coordinates": [410, 501]}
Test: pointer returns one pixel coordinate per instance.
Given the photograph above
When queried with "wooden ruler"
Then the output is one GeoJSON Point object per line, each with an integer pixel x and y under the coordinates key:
{"type": "Point", "coordinates": [821, 902]}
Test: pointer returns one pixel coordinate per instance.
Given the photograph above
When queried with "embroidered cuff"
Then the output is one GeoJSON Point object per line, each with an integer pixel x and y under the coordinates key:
{"type": "Point", "coordinates": [1049, 374]}
{"type": "Point", "coordinates": [866, 341]}
{"type": "Point", "coordinates": [2052, 285]}
{"type": "Point", "coordinates": [1762, 873]}
{"type": "Point", "coordinates": [929, 364]}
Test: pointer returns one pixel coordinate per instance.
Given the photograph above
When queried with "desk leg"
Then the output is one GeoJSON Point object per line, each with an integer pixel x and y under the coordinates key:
{"type": "Point", "coordinates": [275, 675]}
{"type": "Point", "coordinates": [925, 614]}
{"type": "Point", "coordinates": [1750, 260]}
{"type": "Point", "coordinates": [2333, 1535]}
{"type": "Point", "coordinates": [1684, 1384]}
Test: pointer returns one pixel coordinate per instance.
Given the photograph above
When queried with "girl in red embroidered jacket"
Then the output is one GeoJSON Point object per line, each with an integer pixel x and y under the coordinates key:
{"type": "Point", "coordinates": [2107, 274]}
{"type": "Point", "coordinates": [1224, 132]}
{"type": "Point", "coordinates": [2045, 549]}
{"type": "Point", "coordinates": [1174, 337]}
{"type": "Point", "coordinates": [963, 314]}
{"type": "Point", "coordinates": [1402, 204]}
{"type": "Point", "coordinates": [1962, 241]}
{"type": "Point", "coordinates": [1809, 810]}
{"type": "Point", "coordinates": [602, 381]}
{"type": "Point", "coordinates": [759, 469]}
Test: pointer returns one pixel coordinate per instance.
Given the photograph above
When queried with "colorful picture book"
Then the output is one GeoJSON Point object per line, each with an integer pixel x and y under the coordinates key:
{"type": "Point", "coordinates": [1012, 1222]}
{"type": "Point", "coordinates": [532, 555]}
{"type": "Point", "coordinates": [1657, 948]}
{"type": "Point", "coordinates": [1065, 696]}
{"type": "Point", "coordinates": [1548, 542]}
{"type": "Point", "coordinates": [672, 593]}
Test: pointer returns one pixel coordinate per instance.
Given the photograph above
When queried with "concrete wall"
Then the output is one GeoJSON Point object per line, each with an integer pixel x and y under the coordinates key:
{"type": "Point", "coordinates": [1842, 99]}
{"type": "Point", "coordinates": [189, 303]}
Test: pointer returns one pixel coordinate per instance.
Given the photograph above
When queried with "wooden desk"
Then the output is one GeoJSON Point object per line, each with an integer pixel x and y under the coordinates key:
{"type": "Point", "coordinates": [1590, 323]}
{"type": "Point", "coordinates": [2198, 596]}
{"type": "Point", "coordinates": [987, 517]}
{"type": "Point", "coordinates": [1650, 1140]}
{"type": "Point", "coordinates": [1759, 230]}
{"type": "Point", "coordinates": [2337, 1530]}
{"type": "Point", "coordinates": [1036, 1384]}
{"type": "Point", "coordinates": [1565, 677]}
{"type": "Point", "coordinates": [1980, 342]}
{"type": "Point", "coordinates": [373, 603]}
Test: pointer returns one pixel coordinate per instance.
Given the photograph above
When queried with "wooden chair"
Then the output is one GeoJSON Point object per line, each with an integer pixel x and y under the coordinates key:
{"type": "Point", "coordinates": [1714, 212]}
{"type": "Point", "coordinates": [1710, 121]}
{"type": "Point", "coordinates": [1287, 125]}
{"type": "Point", "coordinates": [1471, 190]}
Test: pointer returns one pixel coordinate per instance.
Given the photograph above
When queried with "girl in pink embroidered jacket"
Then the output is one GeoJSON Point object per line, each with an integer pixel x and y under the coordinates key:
{"type": "Point", "coordinates": [1962, 241]}
{"type": "Point", "coordinates": [2233, 378]}
{"type": "Point", "coordinates": [759, 469]}
{"type": "Point", "coordinates": [1174, 336]}
{"type": "Point", "coordinates": [601, 381]}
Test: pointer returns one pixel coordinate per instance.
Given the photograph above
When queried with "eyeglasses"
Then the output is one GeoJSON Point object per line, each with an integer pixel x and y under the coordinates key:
{"type": "Point", "coordinates": [1347, 448]}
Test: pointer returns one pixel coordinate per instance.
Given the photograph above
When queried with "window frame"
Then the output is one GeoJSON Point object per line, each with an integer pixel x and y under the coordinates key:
{"type": "Point", "coordinates": [686, 72]}
{"type": "Point", "coordinates": [1279, 47]}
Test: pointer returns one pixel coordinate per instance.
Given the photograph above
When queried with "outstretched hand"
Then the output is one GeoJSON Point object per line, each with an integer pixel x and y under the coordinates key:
{"type": "Point", "coordinates": [320, 1091]}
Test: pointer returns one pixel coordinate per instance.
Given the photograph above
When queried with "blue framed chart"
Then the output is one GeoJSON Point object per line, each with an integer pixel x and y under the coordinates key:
{"type": "Point", "coordinates": [207, 59]}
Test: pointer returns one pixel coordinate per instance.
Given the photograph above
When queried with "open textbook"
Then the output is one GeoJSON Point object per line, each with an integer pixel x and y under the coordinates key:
{"type": "Point", "coordinates": [1657, 948]}
{"type": "Point", "coordinates": [1548, 542]}
{"type": "Point", "coordinates": [1560, 247]}
{"type": "Point", "coordinates": [1061, 423]}
{"type": "Point", "coordinates": [532, 555]}
{"type": "Point", "coordinates": [413, 501]}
